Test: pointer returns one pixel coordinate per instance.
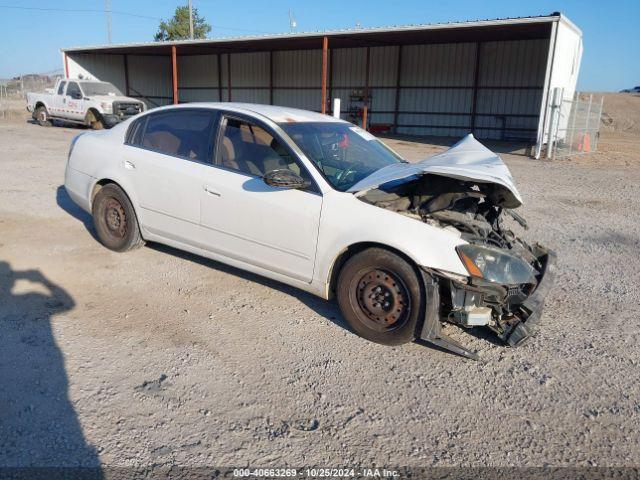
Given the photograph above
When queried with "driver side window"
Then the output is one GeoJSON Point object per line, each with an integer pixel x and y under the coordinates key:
{"type": "Point", "coordinates": [249, 148]}
{"type": "Point", "coordinates": [73, 90]}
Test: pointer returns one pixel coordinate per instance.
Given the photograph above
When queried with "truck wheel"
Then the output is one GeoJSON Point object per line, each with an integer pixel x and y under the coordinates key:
{"type": "Point", "coordinates": [115, 220]}
{"type": "Point", "coordinates": [41, 116]}
{"type": "Point", "coordinates": [95, 121]}
{"type": "Point", "coordinates": [380, 296]}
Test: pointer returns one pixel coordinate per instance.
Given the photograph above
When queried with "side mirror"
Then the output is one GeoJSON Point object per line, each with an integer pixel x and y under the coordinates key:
{"type": "Point", "coordinates": [285, 178]}
{"type": "Point", "coordinates": [76, 96]}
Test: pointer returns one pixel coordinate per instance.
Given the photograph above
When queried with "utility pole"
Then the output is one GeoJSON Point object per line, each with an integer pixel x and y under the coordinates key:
{"type": "Point", "coordinates": [190, 21]}
{"type": "Point", "coordinates": [107, 12]}
{"type": "Point", "coordinates": [292, 23]}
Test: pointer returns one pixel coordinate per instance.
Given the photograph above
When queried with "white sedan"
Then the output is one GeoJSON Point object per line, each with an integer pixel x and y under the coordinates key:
{"type": "Point", "coordinates": [320, 204]}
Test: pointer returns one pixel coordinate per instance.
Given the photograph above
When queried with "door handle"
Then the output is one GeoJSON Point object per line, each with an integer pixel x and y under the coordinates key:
{"type": "Point", "coordinates": [129, 165]}
{"type": "Point", "coordinates": [211, 191]}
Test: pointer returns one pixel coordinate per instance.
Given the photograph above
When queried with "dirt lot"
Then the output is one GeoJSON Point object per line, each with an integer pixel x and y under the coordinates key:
{"type": "Point", "coordinates": [157, 357]}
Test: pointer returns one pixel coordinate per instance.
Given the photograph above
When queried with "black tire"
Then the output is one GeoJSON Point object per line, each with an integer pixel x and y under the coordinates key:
{"type": "Point", "coordinates": [381, 297]}
{"type": "Point", "coordinates": [115, 220]}
{"type": "Point", "coordinates": [41, 116]}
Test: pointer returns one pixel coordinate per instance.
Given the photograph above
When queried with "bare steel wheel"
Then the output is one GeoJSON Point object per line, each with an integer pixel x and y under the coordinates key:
{"type": "Point", "coordinates": [380, 296]}
{"type": "Point", "coordinates": [115, 219]}
{"type": "Point", "coordinates": [383, 299]}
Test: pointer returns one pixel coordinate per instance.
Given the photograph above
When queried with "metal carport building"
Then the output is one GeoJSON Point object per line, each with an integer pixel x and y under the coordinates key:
{"type": "Point", "coordinates": [489, 77]}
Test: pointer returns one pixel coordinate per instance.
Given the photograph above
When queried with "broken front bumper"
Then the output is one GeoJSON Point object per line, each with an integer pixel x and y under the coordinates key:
{"type": "Point", "coordinates": [530, 310]}
{"type": "Point", "coordinates": [525, 318]}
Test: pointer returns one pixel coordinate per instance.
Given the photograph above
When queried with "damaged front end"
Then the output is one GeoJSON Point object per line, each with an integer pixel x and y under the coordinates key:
{"type": "Point", "coordinates": [508, 278]}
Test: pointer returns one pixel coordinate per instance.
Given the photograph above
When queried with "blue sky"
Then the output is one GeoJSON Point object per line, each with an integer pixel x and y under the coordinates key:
{"type": "Point", "coordinates": [30, 39]}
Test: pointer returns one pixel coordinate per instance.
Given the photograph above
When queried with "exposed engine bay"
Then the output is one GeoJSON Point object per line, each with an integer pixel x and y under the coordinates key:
{"type": "Point", "coordinates": [504, 270]}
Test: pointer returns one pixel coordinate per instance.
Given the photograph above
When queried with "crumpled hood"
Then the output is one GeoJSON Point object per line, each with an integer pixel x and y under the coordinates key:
{"type": "Point", "coordinates": [466, 160]}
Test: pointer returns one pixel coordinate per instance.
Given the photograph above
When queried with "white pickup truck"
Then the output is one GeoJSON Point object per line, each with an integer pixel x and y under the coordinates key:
{"type": "Point", "coordinates": [87, 102]}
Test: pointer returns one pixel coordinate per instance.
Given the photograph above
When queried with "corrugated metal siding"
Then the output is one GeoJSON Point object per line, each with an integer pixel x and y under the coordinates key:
{"type": "Point", "coordinates": [150, 78]}
{"type": "Point", "coordinates": [437, 83]}
{"type": "Point", "coordinates": [428, 70]}
{"type": "Point", "coordinates": [519, 67]}
{"type": "Point", "coordinates": [107, 68]}
{"type": "Point", "coordinates": [198, 78]}
{"type": "Point", "coordinates": [301, 69]}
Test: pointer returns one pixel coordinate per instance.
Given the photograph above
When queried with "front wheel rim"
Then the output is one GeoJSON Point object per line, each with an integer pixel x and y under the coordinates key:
{"type": "Point", "coordinates": [383, 300]}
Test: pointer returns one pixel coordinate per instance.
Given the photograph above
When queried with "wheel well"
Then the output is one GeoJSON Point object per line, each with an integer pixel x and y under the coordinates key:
{"type": "Point", "coordinates": [40, 104]}
{"type": "Point", "coordinates": [92, 112]}
{"type": "Point", "coordinates": [351, 250]}
{"type": "Point", "coordinates": [101, 183]}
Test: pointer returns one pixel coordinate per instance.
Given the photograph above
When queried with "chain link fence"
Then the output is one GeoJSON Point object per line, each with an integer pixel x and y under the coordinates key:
{"type": "Point", "coordinates": [574, 128]}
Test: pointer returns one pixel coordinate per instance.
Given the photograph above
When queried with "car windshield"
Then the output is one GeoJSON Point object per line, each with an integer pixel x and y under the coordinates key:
{"type": "Point", "coordinates": [99, 88]}
{"type": "Point", "coordinates": [342, 152]}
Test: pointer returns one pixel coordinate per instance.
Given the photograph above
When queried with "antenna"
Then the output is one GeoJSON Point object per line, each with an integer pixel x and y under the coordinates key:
{"type": "Point", "coordinates": [107, 12]}
{"type": "Point", "coordinates": [292, 23]}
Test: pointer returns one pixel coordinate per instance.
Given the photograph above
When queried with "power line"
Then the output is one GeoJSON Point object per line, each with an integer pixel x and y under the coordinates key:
{"type": "Point", "coordinates": [115, 12]}
{"type": "Point", "coordinates": [78, 10]}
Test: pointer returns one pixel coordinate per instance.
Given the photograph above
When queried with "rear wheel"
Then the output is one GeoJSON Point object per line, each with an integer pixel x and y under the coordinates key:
{"type": "Point", "coordinates": [115, 220]}
{"type": "Point", "coordinates": [41, 116]}
{"type": "Point", "coordinates": [380, 296]}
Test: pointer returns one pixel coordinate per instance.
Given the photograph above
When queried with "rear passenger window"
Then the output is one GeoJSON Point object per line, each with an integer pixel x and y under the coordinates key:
{"type": "Point", "coordinates": [180, 133]}
{"type": "Point", "coordinates": [61, 88]}
{"type": "Point", "coordinates": [134, 134]}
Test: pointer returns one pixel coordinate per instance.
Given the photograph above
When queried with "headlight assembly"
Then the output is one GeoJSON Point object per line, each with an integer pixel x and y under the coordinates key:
{"type": "Point", "coordinates": [107, 107]}
{"type": "Point", "coordinates": [495, 265]}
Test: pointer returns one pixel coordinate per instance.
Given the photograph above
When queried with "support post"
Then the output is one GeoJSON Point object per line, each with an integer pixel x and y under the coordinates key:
{"type": "Point", "coordinates": [397, 102]}
{"type": "Point", "coordinates": [219, 78]}
{"type": "Point", "coordinates": [126, 74]}
{"type": "Point", "coordinates": [325, 47]}
{"type": "Point", "coordinates": [270, 78]}
{"type": "Point", "coordinates": [331, 99]}
{"type": "Point", "coordinates": [66, 65]}
{"type": "Point", "coordinates": [476, 74]}
{"type": "Point", "coordinates": [228, 77]}
{"type": "Point", "coordinates": [365, 108]}
{"type": "Point", "coordinates": [174, 69]}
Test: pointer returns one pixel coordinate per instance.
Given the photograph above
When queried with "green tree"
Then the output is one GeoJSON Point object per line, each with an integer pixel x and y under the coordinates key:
{"type": "Point", "coordinates": [177, 28]}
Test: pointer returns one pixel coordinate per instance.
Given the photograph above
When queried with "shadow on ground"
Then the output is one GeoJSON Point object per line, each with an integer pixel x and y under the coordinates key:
{"type": "Point", "coordinates": [38, 424]}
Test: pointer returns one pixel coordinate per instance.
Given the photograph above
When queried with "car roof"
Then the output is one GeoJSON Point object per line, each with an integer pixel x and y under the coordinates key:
{"type": "Point", "coordinates": [275, 113]}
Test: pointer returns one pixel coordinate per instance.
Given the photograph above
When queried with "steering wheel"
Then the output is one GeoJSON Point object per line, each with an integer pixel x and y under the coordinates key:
{"type": "Point", "coordinates": [342, 176]}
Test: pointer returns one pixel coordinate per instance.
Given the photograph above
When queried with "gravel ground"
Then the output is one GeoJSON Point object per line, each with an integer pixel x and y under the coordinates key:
{"type": "Point", "coordinates": [162, 358]}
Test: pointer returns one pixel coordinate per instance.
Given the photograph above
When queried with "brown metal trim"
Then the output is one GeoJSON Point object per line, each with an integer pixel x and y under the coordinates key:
{"type": "Point", "coordinates": [66, 65]}
{"type": "Point", "coordinates": [174, 70]}
{"type": "Point", "coordinates": [125, 59]}
{"type": "Point", "coordinates": [325, 47]}
{"type": "Point", "coordinates": [397, 100]}
{"type": "Point", "coordinates": [270, 78]}
{"type": "Point", "coordinates": [331, 80]}
{"type": "Point", "coordinates": [365, 108]}
{"type": "Point", "coordinates": [476, 79]}
{"type": "Point", "coordinates": [228, 77]}
{"type": "Point", "coordinates": [219, 78]}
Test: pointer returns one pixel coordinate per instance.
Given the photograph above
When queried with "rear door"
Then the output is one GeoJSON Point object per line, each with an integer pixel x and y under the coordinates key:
{"type": "Point", "coordinates": [246, 219]}
{"type": "Point", "coordinates": [58, 102]}
{"type": "Point", "coordinates": [166, 156]}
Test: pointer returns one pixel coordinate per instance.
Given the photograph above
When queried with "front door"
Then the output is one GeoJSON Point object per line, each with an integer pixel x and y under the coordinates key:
{"type": "Point", "coordinates": [74, 102]}
{"type": "Point", "coordinates": [248, 220]}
